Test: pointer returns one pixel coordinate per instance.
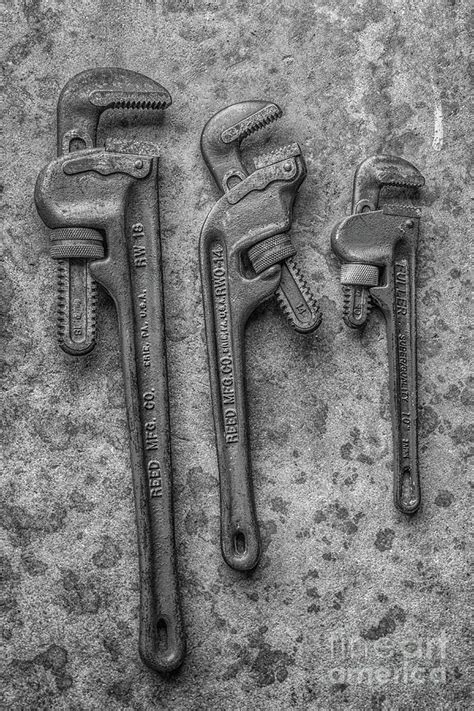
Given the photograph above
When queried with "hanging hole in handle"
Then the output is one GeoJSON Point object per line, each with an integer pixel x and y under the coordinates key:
{"type": "Point", "coordinates": [162, 634]}
{"type": "Point", "coordinates": [240, 545]}
{"type": "Point", "coordinates": [408, 493]}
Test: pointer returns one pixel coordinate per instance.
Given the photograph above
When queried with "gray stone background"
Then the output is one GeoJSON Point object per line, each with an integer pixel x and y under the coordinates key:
{"type": "Point", "coordinates": [354, 78]}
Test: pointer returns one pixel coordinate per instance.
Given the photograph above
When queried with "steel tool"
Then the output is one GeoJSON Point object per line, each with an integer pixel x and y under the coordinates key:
{"type": "Point", "coordinates": [377, 248]}
{"type": "Point", "coordinates": [113, 194]}
{"type": "Point", "coordinates": [246, 257]}
{"type": "Point", "coordinates": [81, 103]}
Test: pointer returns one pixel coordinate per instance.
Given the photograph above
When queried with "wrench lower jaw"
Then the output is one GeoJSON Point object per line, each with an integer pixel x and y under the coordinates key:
{"type": "Point", "coordinates": [76, 308]}
{"type": "Point", "coordinates": [357, 305]}
{"type": "Point", "coordinates": [355, 323]}
{"type": "Point", "coordinates": [296, 299]}
{"type": "Point", "coordinates": [351, 324]}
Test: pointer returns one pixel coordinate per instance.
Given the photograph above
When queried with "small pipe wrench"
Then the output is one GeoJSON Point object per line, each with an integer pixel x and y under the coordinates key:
{"type": "Point", "coordinates": [114, 193]}
{"type": "Point", "coordinates": [81, 103]}
{"type": "Point", "coordinates": [245, 257]}
{"type": "Point", "coordinates": [377, 248]}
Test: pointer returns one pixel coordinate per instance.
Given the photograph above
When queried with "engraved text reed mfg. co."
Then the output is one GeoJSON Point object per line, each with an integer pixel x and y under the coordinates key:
{"type": "Point", "coordinates": [224, 343]}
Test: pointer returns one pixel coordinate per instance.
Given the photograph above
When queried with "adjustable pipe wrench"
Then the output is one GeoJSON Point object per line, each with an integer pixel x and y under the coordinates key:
{"type": "Point", "coordinates": [245, 257]}
{"type": "Point", "coordinates": [377, 248]}
{"type": "Point", "coordinates": [115, 193]}
{"type": "Point", "coordinates": [81, 103]}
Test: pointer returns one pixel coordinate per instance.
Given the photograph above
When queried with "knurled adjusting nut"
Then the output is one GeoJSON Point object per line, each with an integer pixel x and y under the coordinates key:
{"type": "Point", "coordinates": [270, 251]}
{"type": "Point", "coordinates": [76, 243]}
{"type": "Point", "coordinates": [359, 274]}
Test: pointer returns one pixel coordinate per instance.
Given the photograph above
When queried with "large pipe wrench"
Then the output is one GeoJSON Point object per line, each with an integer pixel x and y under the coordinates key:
{"type": "Point", "coordinates": [245, 257]}
{"type": "Point", "coordinates": [114, 192]}
{"type": "Point", "coordinates": [81, 103]}
{"type": "Point", "coordinates": [377, 248]}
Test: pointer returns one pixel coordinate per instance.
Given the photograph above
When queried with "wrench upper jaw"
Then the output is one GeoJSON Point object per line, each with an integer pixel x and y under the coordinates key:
{"type": "Point", "coordinates": [82, 173]}
{"type": "Point", "coordinates": [88, 94]}
{"type": "Point", "coordinates": [256, 209]}
{"type": "Point", "coordinates": [224, 132]}
{"type": "Point", "coordinates": [380, 171]}
{"type": "Point", "coordinates": [252, 213]}
{"type": "Point", "coordinates": [371, 238]}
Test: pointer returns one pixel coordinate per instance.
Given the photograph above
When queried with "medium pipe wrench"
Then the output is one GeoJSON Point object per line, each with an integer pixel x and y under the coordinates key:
{"type": "Point", "coordinates": [245, 257]}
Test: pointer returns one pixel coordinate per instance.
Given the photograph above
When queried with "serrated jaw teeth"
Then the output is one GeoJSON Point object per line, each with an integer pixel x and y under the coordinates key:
{"type": "Point", "coordinates": [282, 153]}
{"type": "Point", "coordinates": [153, 100]}
{"type": "Point", "coordinates": [394, 177]}
{"type": "Point", "coordinates": [252, 123]}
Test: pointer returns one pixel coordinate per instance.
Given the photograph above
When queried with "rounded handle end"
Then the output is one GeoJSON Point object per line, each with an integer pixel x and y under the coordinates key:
{"type": "Point", "coordinates": [407, 492]}
{"type": "Point", "coordinates": [163, 647]}
{"type": "Point", "coordinates": [241, 548]}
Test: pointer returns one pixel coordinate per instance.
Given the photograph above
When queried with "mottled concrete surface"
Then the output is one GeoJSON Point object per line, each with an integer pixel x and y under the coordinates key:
{"type": "Point", "coordinates": [355, 78]}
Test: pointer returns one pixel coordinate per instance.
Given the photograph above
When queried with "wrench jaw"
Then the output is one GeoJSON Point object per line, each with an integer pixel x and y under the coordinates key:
{"type": "Point", "coordinates": [258, 207]}
{"type": "Point", "coordinates": [371, 177]}
{"type": "Point", "coordinates": [385, 240]}
{"type": "Point", "coordinates": [81, 103]}
{"type": "Point", "coordinates": [88, 94]}
{"type": "Point", "coordinates": [223, 134]}
{"type": "Point", "coordinates": [220, 145]}
{"type": "Point", "coordinates": [380, 171]}
{"type": "Point", "coordinates": [117, 194]}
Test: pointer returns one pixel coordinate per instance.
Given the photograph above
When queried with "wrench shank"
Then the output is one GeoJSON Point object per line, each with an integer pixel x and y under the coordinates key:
{"type": "Point", "coordinates": [76, 306]}
{"type": "Point", "coordinates": [239, 529]}
{"type": "Point", "coordinates": [397, 301]}
{"type": "Point", "coordinates": [132, 274]}
{"type": "Point", "coordinates": [296, 299]}
{"type": "Point", "coordinates": [76, 289]}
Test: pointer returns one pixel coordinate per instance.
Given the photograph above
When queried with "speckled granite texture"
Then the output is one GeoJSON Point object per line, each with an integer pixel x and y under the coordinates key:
{"type": "Point", "coordinates": [353, 605]}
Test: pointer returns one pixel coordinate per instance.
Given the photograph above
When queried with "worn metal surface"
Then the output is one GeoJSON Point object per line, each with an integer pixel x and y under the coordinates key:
{"type": "Point", "coordinates": [116, 191]}
{"type": "Point", "coordinates": [220, 145]}
{"type": "Point", "coordinates": [244, 251]}
{"type": "Point", "coordinates": [339, 562]}
{"type": "Point", "coordinates": [377, 247]}
{"type": "Point", "coordinates": [80, 105]}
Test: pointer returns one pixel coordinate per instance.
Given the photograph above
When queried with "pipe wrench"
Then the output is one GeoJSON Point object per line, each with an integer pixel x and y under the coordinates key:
{"type": "Point", "coordinates": [81, 103]}
{"type": "Point", "coordinates": [377, 248]}
{"type": "Point", "coordinates": [114, 193]}
{"type": "Point", "coordinates": [245, 257]}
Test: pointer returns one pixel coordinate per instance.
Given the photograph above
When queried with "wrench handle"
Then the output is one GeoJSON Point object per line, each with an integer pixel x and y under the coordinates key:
{"type": "Point", "coordinates": [135, 257]}
{"type": "Point", "coordinates": [229, 299]}
{"type": "Point", "coordinates": [397, 301]}
{"type": "Point", "coordinates": [240, 540]}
